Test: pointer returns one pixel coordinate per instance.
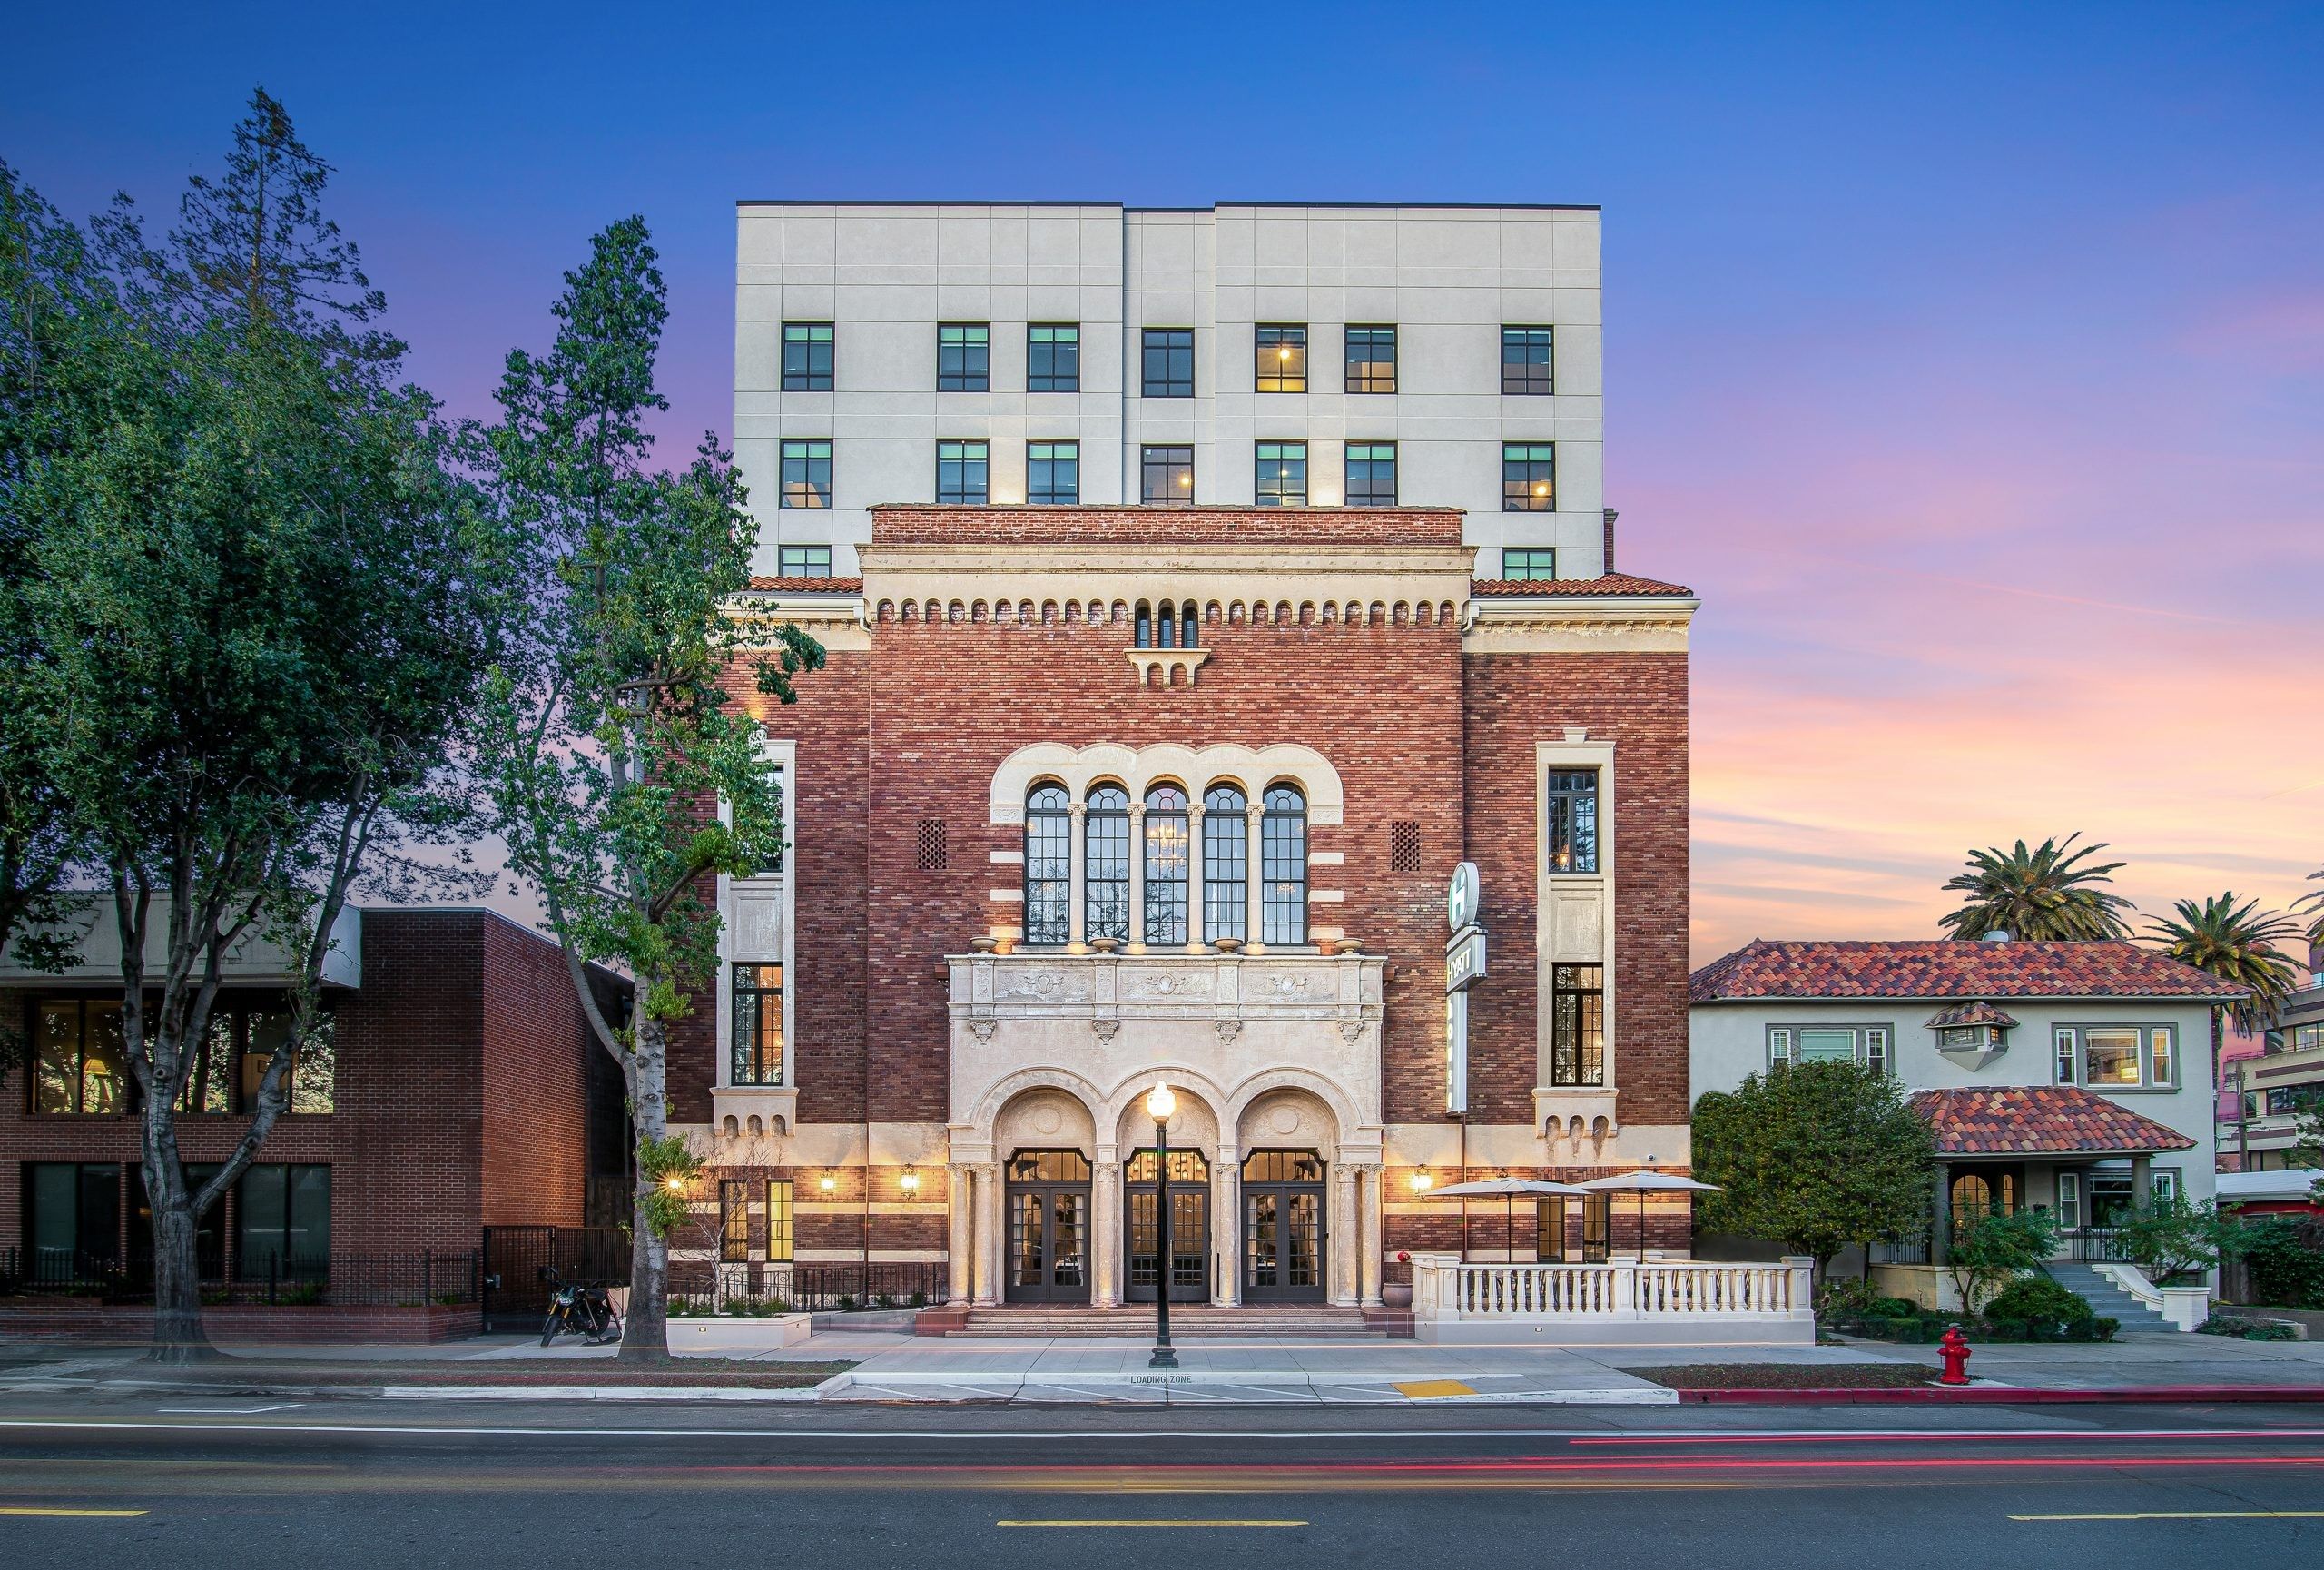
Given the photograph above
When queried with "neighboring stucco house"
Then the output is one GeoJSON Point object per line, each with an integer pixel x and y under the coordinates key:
{"type": "Point", "coordinates": [2064, 1076]}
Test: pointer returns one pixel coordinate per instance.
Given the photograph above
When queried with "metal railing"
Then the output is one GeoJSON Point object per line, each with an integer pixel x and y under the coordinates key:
{"type": "Point", "coordinates": [262, 1276]}
{"type": "Point", "coordinates": [2097, 1245]}
{"type": "Point", "coordinates": [704, 1287]}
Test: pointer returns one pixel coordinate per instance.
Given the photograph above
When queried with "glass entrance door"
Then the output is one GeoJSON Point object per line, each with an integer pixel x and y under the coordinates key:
{"type": "Point", "coordinates": [1048, 1227]}
{"type": "Point", "coordinates": [1189, 1228]}
{"type": "Point", "coordinates": [1283, 1227]}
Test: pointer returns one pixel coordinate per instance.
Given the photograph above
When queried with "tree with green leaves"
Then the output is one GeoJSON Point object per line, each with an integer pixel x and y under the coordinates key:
{"type": "Point", "coordinates": [1815, 1156]}
{"type": "Point", "coordinates": [623, 778]}
{"type": "Point", "coordinates": [2237, 943]}
{"type": "Point", "coordinates": [2045, 893]}
{"type": "Point", "coordinates": [1990, 1249]}
{"type": "Point", "coordinates": [265, 599]}
{"type": "Point", "coordinates": [2175, 1237]}
{"type": "Point", "coordinates": [2313, 901]}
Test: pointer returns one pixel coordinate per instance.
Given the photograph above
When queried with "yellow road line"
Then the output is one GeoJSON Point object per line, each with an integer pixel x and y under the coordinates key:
{"type": "Point", "coordinates": [2187, 1515]}
{"type": "Point", "coordinates": [42, 1510]}
{"type": "Point", "coordinates": [1426, 1389]}
{"type": "Point", "coordinates": [1149, 1523]}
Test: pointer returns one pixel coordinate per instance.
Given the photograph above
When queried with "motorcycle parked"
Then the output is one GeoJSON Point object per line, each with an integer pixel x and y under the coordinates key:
{"type": "Point", "coordinates": [584, 1311]}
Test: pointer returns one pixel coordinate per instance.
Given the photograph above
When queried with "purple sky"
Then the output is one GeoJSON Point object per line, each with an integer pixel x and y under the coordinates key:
{"type": "Point", "coordinates": [1970, 361]}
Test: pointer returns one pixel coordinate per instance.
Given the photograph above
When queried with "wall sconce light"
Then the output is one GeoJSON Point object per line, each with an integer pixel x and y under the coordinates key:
{"type": "Point", "coordinates": [830, 1185]}
{"type": "Point", "coordinates": [909, 1183]}
{"type": "Point", "coordinates": [1422, 1182]}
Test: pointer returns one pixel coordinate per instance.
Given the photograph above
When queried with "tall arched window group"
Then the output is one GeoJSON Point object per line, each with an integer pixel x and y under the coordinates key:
{"type": "Point", "coordinates": [1140, 866]}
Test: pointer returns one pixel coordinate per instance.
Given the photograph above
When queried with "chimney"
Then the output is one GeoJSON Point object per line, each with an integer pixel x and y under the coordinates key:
{"type": "Point", "coordinates": [1996, 936]}
{"type": "Point", "coordinates": [1610, 516]}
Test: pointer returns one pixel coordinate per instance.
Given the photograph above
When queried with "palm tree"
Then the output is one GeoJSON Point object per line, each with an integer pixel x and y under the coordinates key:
{"type": "Point", "coordinates": [2237, 944]}
{"type": "Point", "coordinates": [2041, 893]}
{"type": "Point", "coordinates": [2314, 902]}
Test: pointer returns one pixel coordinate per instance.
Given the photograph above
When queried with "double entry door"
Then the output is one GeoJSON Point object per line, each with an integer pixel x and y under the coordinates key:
{"type": "Point", "coordinates": [1189, 1191]}
{"type": "Point", "coordinates": [1284, 1239]}
{"type": "Point", "coordinates": [1048, 1197]}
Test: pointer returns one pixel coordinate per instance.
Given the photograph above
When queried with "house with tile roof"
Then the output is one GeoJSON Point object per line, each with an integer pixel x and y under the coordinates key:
{"type": "Point", "coordinates": [2071, 1077]}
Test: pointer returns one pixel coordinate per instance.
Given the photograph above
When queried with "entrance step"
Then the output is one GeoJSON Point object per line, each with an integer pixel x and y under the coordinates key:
{"type": "Point", "coordinates": [1186, 1320]}
{"type": "Point", "coordinates": [2105, 1297]}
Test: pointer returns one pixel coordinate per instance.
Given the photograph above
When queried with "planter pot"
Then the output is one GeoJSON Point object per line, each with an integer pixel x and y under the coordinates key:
{"type": "Point", "coordinates": [1227, 946]}
{"type": "Point", "coordinates": [1397, 1294]}
{"type": "Point", "coordinates": [981, 945]}
{"type": "Point", "coordinates": [1106, 946]}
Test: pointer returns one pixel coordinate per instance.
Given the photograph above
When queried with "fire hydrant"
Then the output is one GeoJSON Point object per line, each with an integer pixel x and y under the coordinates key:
{"type": "Point", "coordinates": [1954, 1349]}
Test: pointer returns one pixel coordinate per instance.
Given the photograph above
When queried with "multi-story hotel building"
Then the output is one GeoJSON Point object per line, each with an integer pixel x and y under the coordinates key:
{"type": "Point", "coordinates": [1301, 802]}
{"type": "Point", "coordinates": [1239, 355]}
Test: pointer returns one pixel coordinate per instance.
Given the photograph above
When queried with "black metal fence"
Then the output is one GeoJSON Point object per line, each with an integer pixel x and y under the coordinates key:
{"type": "Point", "coordinates": [343, 1280]}
{"type": "Point", "coordinates": [518, 1261]}
{"type": "Point", "coordinates": [2099, 1246]}
{"type": "Point", "coordinates": [702, 1288]}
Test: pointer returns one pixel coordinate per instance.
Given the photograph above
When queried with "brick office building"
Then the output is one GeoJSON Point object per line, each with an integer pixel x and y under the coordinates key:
{"type": "Point", "coordinates": [1093, 796]}
{"type": "Point", "coordinates": [459, 1089]}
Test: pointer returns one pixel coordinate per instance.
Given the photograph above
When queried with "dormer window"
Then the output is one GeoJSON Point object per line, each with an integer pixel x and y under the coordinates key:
{"type": "Point", "coordinates": [1971, 1034]}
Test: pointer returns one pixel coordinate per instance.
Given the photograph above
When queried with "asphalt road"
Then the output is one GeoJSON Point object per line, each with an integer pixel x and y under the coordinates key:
{"type": "Point", "coordinates": [132, 1482]}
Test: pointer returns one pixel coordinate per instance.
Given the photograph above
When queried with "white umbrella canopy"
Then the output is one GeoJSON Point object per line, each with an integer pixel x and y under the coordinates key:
{"type": "Point", "coordinates": [1645, 1182]}
{"type": "Point", "coordinates": [1507, 1190]}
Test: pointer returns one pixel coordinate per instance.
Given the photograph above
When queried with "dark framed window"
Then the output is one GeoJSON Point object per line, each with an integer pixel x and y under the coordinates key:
{"type": "Point", "coordinates": [806, 356]}
{"type": "Point", "coordinates": [72, 1218]}
{"type": "Point", "coordinates": [807, 474]}
{"type": "Point", "coordinates": [1168, 476]}
{"type": "Point", "coordinates": [1597, 1219]}
{"type": "Point", "coordinates": [1053, 473]}
{"type": "Point", "coordinates": [782, 1229]}
{"type": "Point", "coordinates": [1528, 563]}
{"type": "Point", "coordinates": [1549, 1229]}
{"type": "Point", "coordinates": [1053, 357]}
{"type": "Point", "coordinates": [1279, 358]}
{"type": "Point", "coordinates": [1526, 360]}
{"type": "Point", "coordinates": [734, 1221]}
{"type": "Point", "coordinates": [282, 1221]}
{"type": "Point", "coordinates": [309, 1085]}
{"type": "Point", "coordinates": [1283, 866]}
{"type": "Point", "coordinates": [1576, 1025]}
{"type": "Point", "coordinates": [1226, 863]}
{"type": "Point", "coordinates": [1528, 477]}
{"type": "Point", "coordinates": [1105, 863]}
{"type": "Point", "coordinates": [1571, 797]}
{"type": "Point", "coordinates": [803, 561]}
{"type": "Point", "coordinates": [1166, 865]}
{"type": "Point", "coordinates": [1372, 474]}
{"type": "Point", "coordinates": [758, 1025]}
{"type": "Point", "coordinates": [1167, 362]}
{"type": "Point", "coordinates": [1049, 865]}
{"type": "Point", "coordinates": [964, 357]}
{"type": "Point", "coordinates": [1281, 480]}
{"type": "Point", "coordinates": [1371, 359]}
{"type": "Point", "coordinates": [79, 1065]}
{"type": "Point", "coordinates": [963, 472]}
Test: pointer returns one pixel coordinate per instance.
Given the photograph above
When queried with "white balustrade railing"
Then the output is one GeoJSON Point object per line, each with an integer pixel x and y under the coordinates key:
{"type": "Point", "coordinates": [1445, 1289]}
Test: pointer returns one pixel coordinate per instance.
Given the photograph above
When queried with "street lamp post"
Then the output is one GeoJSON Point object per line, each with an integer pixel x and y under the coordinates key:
{"type": "Point", "coordinates": [1159, 1104]}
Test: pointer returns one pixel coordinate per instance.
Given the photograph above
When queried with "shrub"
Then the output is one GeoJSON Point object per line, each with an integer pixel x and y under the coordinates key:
{"type": "Point", "coordinates": [2173, 1238]}
{"type": "Point", "coordinates": [1997, 1247]}
{"type": "Point", "coordinates": [1846, 1297]}
{"type": "Point", "coordinates": [2247, 1329]}
{"type": "Point", "coordinates": [2041, 1303]}
{"type": "Point", "coordinates": [2284, 1256]}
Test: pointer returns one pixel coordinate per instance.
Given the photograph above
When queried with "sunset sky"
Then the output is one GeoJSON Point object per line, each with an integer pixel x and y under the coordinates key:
{"type": "Point", "coordinates": [1969, 360]}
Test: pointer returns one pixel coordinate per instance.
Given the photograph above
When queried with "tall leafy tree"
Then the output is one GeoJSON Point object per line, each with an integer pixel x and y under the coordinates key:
{"type": "Point", "coordinates": [608, 740]}
{"type": "Point", "coordinates": [1816, 1157]}
{"type": "Point", "coordinates": [266, 599]}
{"type": "Point", "coordinates": [2313, 903]}
{"type": "Point", "coordinates": [2044, 894]}
{"type": "Point", "coordinates": [2237, 943]}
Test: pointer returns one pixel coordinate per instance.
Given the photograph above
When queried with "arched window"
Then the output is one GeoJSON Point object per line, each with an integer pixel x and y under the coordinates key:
{"type": "Point", "coordinates": [1166, 627]}
{"type": "Point", "coordinates": [1105, 867]}
{"type": "Point", "coordinates": [1283, 866]}
{"type": "Point", "coordinates": [1191, 624]}
{"type": "Point", "coordinates": [1049, 865]}
{"type": "Point", "coordinates": [1143, 627]}
{"type": "Point", "coordinates": [1226, 872]}
{"type": "Point", "coordinates": [1166, 865]}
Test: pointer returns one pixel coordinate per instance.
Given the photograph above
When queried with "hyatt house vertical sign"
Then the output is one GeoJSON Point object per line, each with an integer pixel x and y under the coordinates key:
{"type": "Point", "coordinates": [1465, 962]}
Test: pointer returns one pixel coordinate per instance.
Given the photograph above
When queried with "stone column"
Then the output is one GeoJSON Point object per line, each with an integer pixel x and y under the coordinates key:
{"type": "Point", "coordinates": [991, 1232]}
{"type": "Point", "coordinates": [1226, 1228]}
{"type": "Point", "coordinates": [1076, 934]}
{"type": "Point", "coordinates": [1940, 1225]}
{"type": "Point", "coordinates": [1346, 1237]}
{"type": "Point", "coordinates": [958, 1266]}
{"type": "Point", "coordinates": [1107, 1207]}
{"type": "Point", "coordinates": [1136, 943]}
{"type": "Point", "coordinates": [1368, 1218]}
{"type": "Point", "coordinates": [2142, 1180]}
{"type": "Point", "coordinates": [1195, 934]}
{"type": "Point", "coordinates": [1253, 888]}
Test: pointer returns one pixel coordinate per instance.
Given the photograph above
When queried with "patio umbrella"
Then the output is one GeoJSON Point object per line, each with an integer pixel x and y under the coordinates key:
{"type": "Point", "coordinates": [1645, 1182]}
{"type": "Point", "coordinates": [1506, 1190]}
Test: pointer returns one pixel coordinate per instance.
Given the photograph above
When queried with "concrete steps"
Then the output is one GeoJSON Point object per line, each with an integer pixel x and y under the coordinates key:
{"type": "Point", "coordinates": [1186, 1320]}
{"type": "Point", "coordinates": [2105, 1297]}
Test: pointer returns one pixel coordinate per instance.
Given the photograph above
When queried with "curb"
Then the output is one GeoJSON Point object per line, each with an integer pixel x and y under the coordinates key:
{"type": "Point", "coordinates": [447, 1392]}
{"type": "Point", "coordinates": [2007, 1396]}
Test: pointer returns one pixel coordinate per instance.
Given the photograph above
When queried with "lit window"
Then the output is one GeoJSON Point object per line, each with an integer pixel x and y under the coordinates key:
{"type": "Point", "coordinates": [1371, 359]}
{"type": "Point", "coordinates": [1578, 1024]}
{"type": "Point", "coordinates": [806, 474]}
{"type": "Point", "coordinates": [1169, 475]}
{"type": "Point", "coordinates": [2161, 1060]}
{"type": "Point", "coordinates": [806, 356]}
{"type": "Point", "coordinates": [1283, 866]}
{"type": "Point", "coordinates": [1279, 358]}
{"type": "Point", "coordinates": [1282, 476]}
{"type": "Point", "coordinates": [1525, 360]}
{"type": "Point", "coordinates": [1049, 865]}
{"type": "Point", "coordinates": [803, 561]}
{"type": "Point", "coordinates": [1165, 918]}
{"type": "Point", "coordinates": [961, 472]}
{"type": "Point", "coordinates": [758, 1025]}
{"type": "Point", "coordinates": [779, 1213]}
{"type": "Point", "coordinates": [1528, 564]}
{"type": "Point", "coordinates": [1053, 473]}
{"type": "Point", "coordinates": [1528, 477]}
{"type": "Point", "coordinates": [2110, 1056]}
{"type": "Point", "coordinates": [2066, 1056]}
{"type": "Point", "coordinates": [1105, 870]}
{"type": "Point", "coordinates": [964, 357]}
{"type": "Point", "coordinates": [1168, 362]}
{"type": "Point", "coordinates": [307, 1085]}
{"type": "Point", "coordinates": [734, 1221]}
{"type": "Point", "coordinates": [1225, 856]}
{"type": "Point", "coordinates": [1053, 357]}
{"type": "Point", "coordinates": [1372, 474]}
{"type": "Point", "coordinates": [79, 1065]}
{"type": "Point", "coordinates": [1571, 829]}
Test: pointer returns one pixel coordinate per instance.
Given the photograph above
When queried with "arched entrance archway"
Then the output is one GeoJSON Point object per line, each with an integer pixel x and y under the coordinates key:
{"type": "Point", "coordinates": [1284, 1233]}
{"type": "Point", "coordinates": [1189, 1189]}
{"type": "Point", "coordinates": [1047, 1201]}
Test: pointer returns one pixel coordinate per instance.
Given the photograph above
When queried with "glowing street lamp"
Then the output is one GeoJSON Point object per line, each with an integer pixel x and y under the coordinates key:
{"type": "Point", "coordinates": [1159, 1104]}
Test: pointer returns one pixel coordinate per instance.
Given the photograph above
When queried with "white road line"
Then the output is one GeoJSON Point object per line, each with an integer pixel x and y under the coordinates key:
{"type": "Point", "coordinates": [234, 1411]}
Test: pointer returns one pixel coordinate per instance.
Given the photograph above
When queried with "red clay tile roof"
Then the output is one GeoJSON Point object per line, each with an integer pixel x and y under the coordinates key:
{"type": "Point", "coordinates": [1970, 1014]}
{"type": "Point", "coordinates": [1613, 583]}
{"type": "Point", "coordinates": [2038, 1120]}
{"type": "Point", "coordinates": [1950, 969]}
{"type": "Point", "coordinates": [807, 584]}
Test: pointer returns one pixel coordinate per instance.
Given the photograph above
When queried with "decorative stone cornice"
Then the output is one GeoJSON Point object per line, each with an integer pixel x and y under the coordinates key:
{"type": "Point", "coordinates": [1106, 989]}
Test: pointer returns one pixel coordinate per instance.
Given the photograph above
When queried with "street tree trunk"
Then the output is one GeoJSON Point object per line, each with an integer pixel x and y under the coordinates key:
{"type": "Point", "coordinates": [646, 1332]}
{"type": "Point", "coordinates": [178, 1333]}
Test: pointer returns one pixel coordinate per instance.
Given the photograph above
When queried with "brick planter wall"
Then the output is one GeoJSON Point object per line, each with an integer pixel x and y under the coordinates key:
{"type": "Point", "coordinates": [129, 1324]}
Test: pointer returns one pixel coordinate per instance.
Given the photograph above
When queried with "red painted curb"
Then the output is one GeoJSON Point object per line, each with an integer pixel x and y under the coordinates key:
{"type": "Point", "coordinates": [1993, 1396]}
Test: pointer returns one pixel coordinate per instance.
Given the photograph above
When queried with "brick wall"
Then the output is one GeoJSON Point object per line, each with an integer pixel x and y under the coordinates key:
{"type": "Point", "coordinates": [533, 1050]}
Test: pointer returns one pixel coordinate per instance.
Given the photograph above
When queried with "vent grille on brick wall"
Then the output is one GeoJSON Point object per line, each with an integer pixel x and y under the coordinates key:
{"type": "Point", "coordinates": [1404, 846]}
{"type": "Point", "coordinates": [931, 845]}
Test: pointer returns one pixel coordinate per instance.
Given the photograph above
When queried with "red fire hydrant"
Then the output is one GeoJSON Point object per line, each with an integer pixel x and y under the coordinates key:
{"type": "Point", "coordinates": [1954, 1349]}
